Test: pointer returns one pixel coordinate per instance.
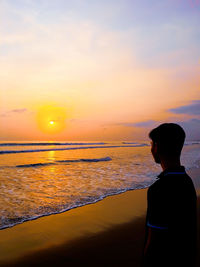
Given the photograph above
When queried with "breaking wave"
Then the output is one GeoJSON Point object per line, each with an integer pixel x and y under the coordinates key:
{"type": "Point", "coordinates": [49, 144]}
{"type": "Point", "coordinates": [66, 148]}
{"type": "Point", "coordinates": [62, 161]}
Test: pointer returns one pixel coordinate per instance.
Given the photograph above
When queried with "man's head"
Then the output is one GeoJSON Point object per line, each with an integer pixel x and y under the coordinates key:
{"type": "Point", "coordinates": [167, 141]}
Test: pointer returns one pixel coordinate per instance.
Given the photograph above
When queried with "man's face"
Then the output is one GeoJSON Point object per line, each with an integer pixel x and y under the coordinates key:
{"type": "Point", "coordinates": [154, 151]}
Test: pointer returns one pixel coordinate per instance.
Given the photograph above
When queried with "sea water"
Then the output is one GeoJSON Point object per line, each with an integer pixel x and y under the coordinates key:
{"type": "Point", "coordinates": [43, 178]}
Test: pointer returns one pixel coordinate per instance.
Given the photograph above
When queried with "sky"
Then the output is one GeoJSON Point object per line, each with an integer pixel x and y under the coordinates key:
{"type": "Point", "coordinates": [98, 70]}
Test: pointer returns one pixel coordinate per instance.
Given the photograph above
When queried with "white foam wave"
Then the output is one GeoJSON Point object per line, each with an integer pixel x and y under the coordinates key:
{"type": "Point", "coordinates": [65, 148]}
{"type": "Point", "coordinates": [50, 144]}
{"type": "Point", "coordinates": [62, 161]}
{"type": "Point", "coordinates": [10, 222]}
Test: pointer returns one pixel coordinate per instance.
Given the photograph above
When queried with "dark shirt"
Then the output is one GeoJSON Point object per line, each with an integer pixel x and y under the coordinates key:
{"type": "Point", "coordinates": [171, 214]}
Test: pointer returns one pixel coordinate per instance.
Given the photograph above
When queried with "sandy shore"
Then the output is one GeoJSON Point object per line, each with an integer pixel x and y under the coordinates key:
{"type": "Point", "coordinates": [107, 233]}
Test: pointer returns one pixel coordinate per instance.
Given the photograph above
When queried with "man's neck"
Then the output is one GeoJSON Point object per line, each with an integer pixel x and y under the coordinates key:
{"type": "Point", "coordinates": [170, 164]}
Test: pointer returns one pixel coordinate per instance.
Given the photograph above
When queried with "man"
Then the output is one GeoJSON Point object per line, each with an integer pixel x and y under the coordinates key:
{"type": "Point", "coordinates": [171, 213]}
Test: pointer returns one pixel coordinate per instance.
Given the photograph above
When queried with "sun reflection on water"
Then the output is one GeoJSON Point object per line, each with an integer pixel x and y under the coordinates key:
{"type": "Point", "coordinates": [51, 156]}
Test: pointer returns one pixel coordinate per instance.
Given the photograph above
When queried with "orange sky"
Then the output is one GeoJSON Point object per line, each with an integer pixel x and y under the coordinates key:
{"type": "Point", "coordinates": [96, 80]}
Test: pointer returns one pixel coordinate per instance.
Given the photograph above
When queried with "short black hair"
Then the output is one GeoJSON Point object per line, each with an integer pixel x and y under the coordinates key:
{"type": "Point", "coordinates": [169, 137]}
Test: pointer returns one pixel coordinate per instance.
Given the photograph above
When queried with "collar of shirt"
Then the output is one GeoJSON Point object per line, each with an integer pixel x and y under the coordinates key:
{"type": "Point", "coordinates": [172, 171]}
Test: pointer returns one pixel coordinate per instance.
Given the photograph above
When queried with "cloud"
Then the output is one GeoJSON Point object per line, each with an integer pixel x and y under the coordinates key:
{"type": "Point", "coordinates": [9, 112]}
{"type": "Point", "coordinates": [19, 110]}
{"type": "Point", "coordinates": [142, 124]}
{"type": "Point", "coordinates": [149, 123]}
{"type": "Point", "coordinates": [3, 115]}
{"type": "Point", "coordinates": [192, 109]}
{"type": "Point", "coordinates": [192, 128]}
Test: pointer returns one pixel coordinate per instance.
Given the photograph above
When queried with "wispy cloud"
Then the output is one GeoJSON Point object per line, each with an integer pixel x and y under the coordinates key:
{"type": "Point", "coordinates": [19, 110]}
{"type": "Point", "coordinates": [191, 109]}
{"type": "Point", "coordinates": [149, 123]}
{"type": "Point", "coordinates": [142, 124]}
{"type": "Point", "coordinates": [191, 128]}
{"type": "Point", "coordinates": [10, 112]}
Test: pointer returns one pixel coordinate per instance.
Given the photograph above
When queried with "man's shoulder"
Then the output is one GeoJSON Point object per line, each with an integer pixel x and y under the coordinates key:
{"type": "Point", "coordinates": [154, 185]}
{"type": "Point", "coordinates": [186, 184]}
{"type": "Point", "coordinates": [158, 187]}
{"type": "Point", "coordinates": [173, 183]}
{"type": "Point", "coordinates": [183, 181]}
{"type": "Point", "coordinates": [159, 184]}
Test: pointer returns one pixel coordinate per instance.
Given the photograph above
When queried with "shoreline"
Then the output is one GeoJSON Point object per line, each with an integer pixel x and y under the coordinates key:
{"type": "Point", "coordinates": [109, 232]}
{"type": "Point", "coordinates": [67, 210]}
{"type": "Point", "coordinates": [103, 220]}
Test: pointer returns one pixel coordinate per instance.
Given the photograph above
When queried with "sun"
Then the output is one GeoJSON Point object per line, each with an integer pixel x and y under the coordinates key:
{"type": "Point", "coordinates": [51, 119]}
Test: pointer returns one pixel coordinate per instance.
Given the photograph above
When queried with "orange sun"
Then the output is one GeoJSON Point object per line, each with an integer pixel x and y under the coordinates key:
{"type": "Point", "coordinates": [51, 119]}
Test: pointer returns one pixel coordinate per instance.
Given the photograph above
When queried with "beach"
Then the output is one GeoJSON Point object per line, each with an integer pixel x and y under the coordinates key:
{"type": "Point", "coordinates": [96, 98]}
{"type": "Point", "coordinates": [107, 233]}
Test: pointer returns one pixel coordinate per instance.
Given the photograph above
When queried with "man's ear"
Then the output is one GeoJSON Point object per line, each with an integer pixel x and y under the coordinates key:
{"type": "Point", "coordinates": [154, 151]}
{"type": "Point", "coordinates": [155, 147]}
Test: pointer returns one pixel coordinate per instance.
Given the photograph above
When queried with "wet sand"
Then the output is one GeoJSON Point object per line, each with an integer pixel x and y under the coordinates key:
{"type": "Point", "coordinates": [107, 233]}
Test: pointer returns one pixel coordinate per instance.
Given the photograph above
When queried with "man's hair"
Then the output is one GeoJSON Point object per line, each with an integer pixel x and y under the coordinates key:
{"type": "Point", "coordinates": [169, 138]}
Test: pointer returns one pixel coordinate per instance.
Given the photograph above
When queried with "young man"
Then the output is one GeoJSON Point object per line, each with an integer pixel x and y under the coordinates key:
{"type": "Point", "coordinates": [171, 213]}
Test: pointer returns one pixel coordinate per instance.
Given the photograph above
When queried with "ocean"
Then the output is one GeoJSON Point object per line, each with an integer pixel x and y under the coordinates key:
{"type": "Point", "coordinates": [43, 178]}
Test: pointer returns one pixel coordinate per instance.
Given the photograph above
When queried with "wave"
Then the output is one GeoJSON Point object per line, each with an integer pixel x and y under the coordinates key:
{"type": "Point", "coordinates": [50, 144]}
{"type": "Point", "coordinates": [62, 161]}
{"type": "Point", "coordinates": [85, 160]}
{"type": "Point", "coordinates": [10, 222]}
{"type": "Point", "coordinates": [192, 143]}
{"type": "Point", "coordinates": [130, 143]}
{"type": "Point", "coordinates": [96, 160]}
{"type": "Point", "coordinates": [34, 165]}
{"type": "Point", "coordinates": [64, 148]}
{"type": "Point", "coordinates": [134, 143]}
